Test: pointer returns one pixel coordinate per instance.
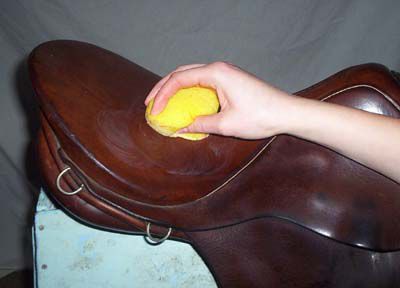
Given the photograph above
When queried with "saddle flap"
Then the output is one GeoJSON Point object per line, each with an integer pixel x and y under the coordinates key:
{"type": "Point", "coordinates": [93, 101]}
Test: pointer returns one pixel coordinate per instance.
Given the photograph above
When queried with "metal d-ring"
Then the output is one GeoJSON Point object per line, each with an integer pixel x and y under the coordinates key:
{"type": "Point", "coordinates": [154, 240]}
{"type": "Point", "coordinates": [58, 182]}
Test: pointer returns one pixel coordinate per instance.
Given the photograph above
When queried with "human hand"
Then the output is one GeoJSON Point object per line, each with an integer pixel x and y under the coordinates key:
{"type": "Point", "coordinates": [250, 108]}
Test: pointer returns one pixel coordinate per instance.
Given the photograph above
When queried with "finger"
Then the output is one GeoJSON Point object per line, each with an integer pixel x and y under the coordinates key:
{"type": "Point", "coordinates": [205, 124]}
{"type": "Point", "coordinates": [160, 83]}
{"type": "Point", "coordinates": [183, 79]}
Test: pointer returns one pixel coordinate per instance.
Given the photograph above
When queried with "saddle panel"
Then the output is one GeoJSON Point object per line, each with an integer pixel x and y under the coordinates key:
{"type": "Point", "coordinates": [92, 101]}
{"type": "Point", "coordinates": [270, 252]}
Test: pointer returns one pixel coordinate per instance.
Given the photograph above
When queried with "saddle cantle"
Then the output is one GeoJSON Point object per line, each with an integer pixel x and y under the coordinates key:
{"type": "Point", "coordinates": [254, 210]}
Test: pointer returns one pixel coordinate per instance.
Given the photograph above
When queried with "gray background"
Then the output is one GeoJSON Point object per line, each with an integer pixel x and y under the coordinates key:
{"type": "Point", "coordinates": [291, 44]}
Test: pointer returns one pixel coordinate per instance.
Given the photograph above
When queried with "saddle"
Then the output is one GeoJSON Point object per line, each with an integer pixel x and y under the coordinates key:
{"type": "Point", "coordinates": [276, 212]}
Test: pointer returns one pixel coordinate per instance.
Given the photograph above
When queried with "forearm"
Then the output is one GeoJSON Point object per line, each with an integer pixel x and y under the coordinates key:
{"type": "Point", "coordinates": [252, 109]}
{"type": "Point", "coordinates": [371, 139]}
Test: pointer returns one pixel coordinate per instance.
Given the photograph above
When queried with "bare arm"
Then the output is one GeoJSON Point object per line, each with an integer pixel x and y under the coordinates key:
{"type": "Point", "coordinates": [371, 139]}
{"type": "Point", "coordinates": [252, 109]}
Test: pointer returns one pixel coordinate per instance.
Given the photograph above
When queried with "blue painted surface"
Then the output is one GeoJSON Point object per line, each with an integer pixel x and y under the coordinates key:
{"type": "Point", "coordinates": [69, 254]}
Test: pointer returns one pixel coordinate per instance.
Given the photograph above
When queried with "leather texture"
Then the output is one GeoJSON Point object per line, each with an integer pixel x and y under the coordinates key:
{"type": "Point", "coordinates": [100, 98]}
{"type": "Point", "coordinates": [222, 194]}
{"type": "Point", "coordinates": [270, 252]}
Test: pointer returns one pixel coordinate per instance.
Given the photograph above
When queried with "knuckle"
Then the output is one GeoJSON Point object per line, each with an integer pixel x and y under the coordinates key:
{"type": "Point", "coordinates": [180, 67]}
{"type": "Point", "coordinates": [221, 65]}
{"type": "Point", "coordinates": [219, 69]}
{"type": "Point", "coordinates": [174, 79]}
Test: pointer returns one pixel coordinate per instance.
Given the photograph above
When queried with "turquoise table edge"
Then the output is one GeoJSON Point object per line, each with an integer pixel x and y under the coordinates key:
{"type": "Point", "coordinates": [70, 254]}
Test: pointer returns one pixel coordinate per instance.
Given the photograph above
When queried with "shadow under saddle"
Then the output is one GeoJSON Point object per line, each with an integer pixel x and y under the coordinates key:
{"type": "Point", "coordinates": [276, 212]}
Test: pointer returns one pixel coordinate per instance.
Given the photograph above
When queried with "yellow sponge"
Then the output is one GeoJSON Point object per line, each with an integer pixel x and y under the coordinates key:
{"type": "Point", "coordinates": [181, 110]}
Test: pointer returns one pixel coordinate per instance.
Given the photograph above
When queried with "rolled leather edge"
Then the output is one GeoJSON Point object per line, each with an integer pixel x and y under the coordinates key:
{"type": "Point", "coordinates": [84, 206]}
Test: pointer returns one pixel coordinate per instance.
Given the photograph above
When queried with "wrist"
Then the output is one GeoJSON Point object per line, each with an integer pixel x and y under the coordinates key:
{"type": "Point", "coordinates": [297, 117]}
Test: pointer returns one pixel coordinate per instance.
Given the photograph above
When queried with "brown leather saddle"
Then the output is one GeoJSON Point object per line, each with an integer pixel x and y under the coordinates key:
{"type": "Point", "coordinates": [278, 212]}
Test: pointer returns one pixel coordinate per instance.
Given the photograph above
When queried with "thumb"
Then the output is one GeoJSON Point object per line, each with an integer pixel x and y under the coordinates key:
{"type": "Point", "coordinates": [204, 124]}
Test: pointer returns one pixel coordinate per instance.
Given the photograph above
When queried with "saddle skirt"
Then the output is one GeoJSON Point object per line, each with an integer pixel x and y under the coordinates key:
{"type": "Point", "coordinates": [92, 114]}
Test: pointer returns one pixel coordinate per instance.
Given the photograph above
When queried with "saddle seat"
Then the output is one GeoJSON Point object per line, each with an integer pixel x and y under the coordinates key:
{"type": "Point", "coordinates": [92, 115]}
